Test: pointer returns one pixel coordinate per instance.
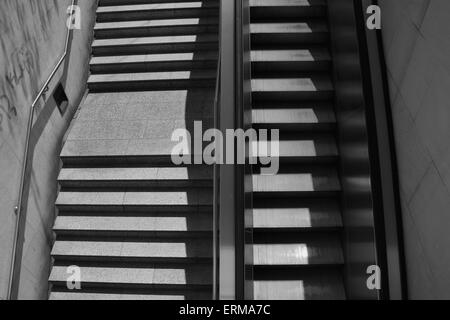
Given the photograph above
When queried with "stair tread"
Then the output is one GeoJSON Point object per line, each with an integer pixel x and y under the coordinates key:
{"type": "Point", "coordinates": [286, 3]}
{"type": "Point", "coordinates": [155, 23]}
{"type": "Point", "coordinates": [312, 181]}
{"type": "Point", "coordinates": [311, 84]}
{"type": "Point", "coordinates": [147, 58]}
{"type": "Point", "coordinates": [119, 296]}
{"type": "Point", "coordinates": [312, 249]}
{"type": "Point", "coordinates": [295, 217]}
{"type": "Point", "coordinates": [158, 6]}
{"type": "Point", "coordinates": [293, 115]}
{"type": "Point", "coordinates": [314, 146]}
{"type": "Point", "coordinates": [181, 250]}
{"type": "Point", "coordinates": [188, 275]}
{"type": "Point", "coordinates": [192, 197]}
{"type": "Point", "coordinates": [155, 40]}
{"type": "Point", "coordinates": [153, 76]}
{"type": "Point", "coordinates": [169, 222]}
{"type": "Point", "coordinates": [288, 27]}
{"type": "Point", "coordinates": [298, 55]}
{"type": "Point", "coordinates": [324, 286]}
{"type": "Point", "coordinates": [136, 174]}
{"type": "Point", "coordinates": [109, 149]}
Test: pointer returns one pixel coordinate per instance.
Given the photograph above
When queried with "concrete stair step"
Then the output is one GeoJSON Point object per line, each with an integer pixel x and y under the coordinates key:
{"type": "Point", "coordinates": [314, 87]}
{"type": "Point", "coordinates": [301, 285]}
{"type": "Point", "coordinates": [150, 28]}
{"type": "Point", "coordinates": [283, 61]}
{"type": "Point", "coordinates": [103, 3]}
{"type": "Point", "coordinates": [188, 200]}
{"type": "Point", "coordinates": [154, 62]}
{"type": "Point", "coordinates": [151, 11]}
{"type": "Point", "coordinates": [167, 224]}
{"type": "Point", "coordinates": [152, 81]}
{"type": "Point", "coordinates": [194, 176]}
{"type": "Point", "coordinates": [318, 148]}
{"type": "Point", "coordinates": [269, 34]}
{"type": "Point", "coordinates": [311, 217]}
{"type": "Point", "coordinates": [193, 295]}
{"type": "Point", "coordinates": [77, 158]}
{"type": "Point", "coordinates": [147, 45]}
{"type": "Point", "coordinates": [101, 152]}
{"type": "Point", "coordinates": [193, 276]}
{"type": "Point", "coordinates": [287, 9]}
{"type": "Point", "coordinates": [294, 119]}
{"type": "Point", "coordinates": [304, 249]}
{"type": "Point", "coordinates": [309, 182]}
{"type": "Point", "coordinates": [186, 251]}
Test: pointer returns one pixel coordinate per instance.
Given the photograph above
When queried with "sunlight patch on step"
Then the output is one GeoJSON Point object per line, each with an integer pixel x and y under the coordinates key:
{"type": "Point", "coordinates": [282, 55]}
{"type": "Point", "coordinates": [279, 290]}
{"type": "Point", "coordinates": [282, 218]}
{"type": "Point", "coordinates": [288, 85]}
{"type": "Point", "coordinates": [285, 116]}
{"type": "Point", "coordinates": [280, 254]}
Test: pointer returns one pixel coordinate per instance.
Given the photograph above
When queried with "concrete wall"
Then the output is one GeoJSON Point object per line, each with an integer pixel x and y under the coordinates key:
{"type": "Point", "coordinates": [417, 44]}
{"type": "Point", "coordinates": [32, 38]}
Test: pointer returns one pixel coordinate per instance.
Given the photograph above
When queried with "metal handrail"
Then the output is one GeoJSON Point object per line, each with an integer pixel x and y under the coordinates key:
{"type": "Point", "coordinates": [18, 208]}
{"type": "Point", "coordinates": [216, 195]}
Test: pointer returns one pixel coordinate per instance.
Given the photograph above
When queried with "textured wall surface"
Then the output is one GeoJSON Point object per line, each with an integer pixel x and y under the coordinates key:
{"type": "Point", "coordinates": [417, 44]}
{"type": "Point", "coordinates": [32, 38]}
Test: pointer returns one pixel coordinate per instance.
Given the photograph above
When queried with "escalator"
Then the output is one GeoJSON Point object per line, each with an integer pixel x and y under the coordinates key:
{"type": "Point", "coordinates": [297, 223]}
{"type": "Point", "coordinates": [132, 225]}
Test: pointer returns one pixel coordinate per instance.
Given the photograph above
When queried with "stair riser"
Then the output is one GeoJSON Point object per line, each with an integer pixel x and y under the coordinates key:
{"type": "Point", "coordinates": [302, 161]}
{"type": "Point", "coordinates": [269, 40]}
{"type": "Point", "coordinates": [156, 85]}
{"type": "Point", "coordinates": [291, 96]}
{"type": "Point", "coordinates": [154, 31]}
{"type": "Point", "coordinates": [118, 161]}
{"type": "Point", "coordinates": [291, 194]}
{"type": "Point", "coordinates": [105, 3]}
{"type": "Point", "coordinates": [125, 261]}
{"type": "Point", "coordinates": [157, 14]}
{"type": "Point", "coordinates": [78, 235]}
{"type": "Point", "coordinates": [268, 231]}
{"type": "Point", "coordinates": [153, 48]}
{"type": "Point", "coordinates": [278, 68]}
{"type": "Point", "coordinates": [130, 287]}
{"type": "Point", "coordinates": [283, 271]}
{"type": "Point", "coordinates": [152, 67]}
{"type": "Point", "coordinates": [296, 127]}
{"type": "Point", "coordinates": [287, 13]}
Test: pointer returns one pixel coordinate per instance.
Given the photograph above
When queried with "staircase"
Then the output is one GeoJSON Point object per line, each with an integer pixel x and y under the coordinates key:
{"type": "Point", "coordinates": [297, 251]}
{"type": "Point", "coordinates": [137, 226]}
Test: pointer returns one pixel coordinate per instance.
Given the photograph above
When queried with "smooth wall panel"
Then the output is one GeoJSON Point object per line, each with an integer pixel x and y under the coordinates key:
{"type": "Point", "coordinates": [32, 40]}
{"type": "Point", "coordinates": [417, 50]}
